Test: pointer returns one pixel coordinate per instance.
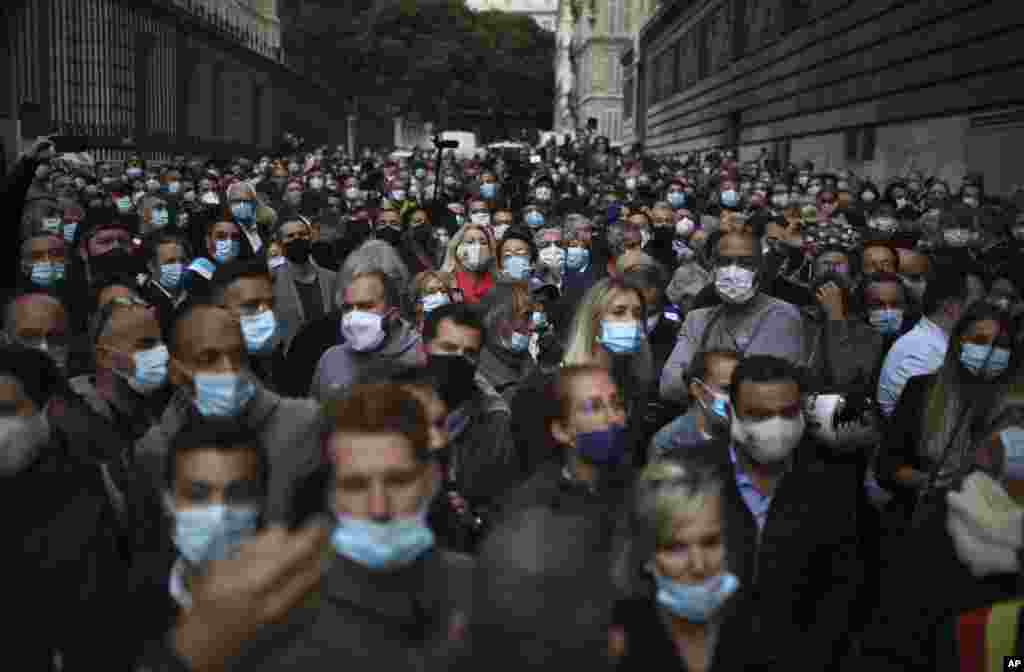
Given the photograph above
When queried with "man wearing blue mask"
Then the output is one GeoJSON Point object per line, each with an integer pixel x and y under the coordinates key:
{"type": "Point", "coordinates": [245, 289]}
{"type": "Point", "coordinates": [223, 242]}
{"type": "Point", "coordinates": [390, 596]}
{"type": "Point", "coordinates": [167, 255]}
{"type": "Point", "coordinates": [214, 490]}
{"type": "Point", "coordinates": [210, 374]}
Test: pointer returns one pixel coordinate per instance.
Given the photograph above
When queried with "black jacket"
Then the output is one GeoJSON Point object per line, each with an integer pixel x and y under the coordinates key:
{"type": "Point", "coordinates": [803, 571]}
{"type": "Point", "coordinates": [66, 591]}
{"type": "Point", "coordinates": [308, 346]}
{"type": "Point", "coordinates": [924, 588]}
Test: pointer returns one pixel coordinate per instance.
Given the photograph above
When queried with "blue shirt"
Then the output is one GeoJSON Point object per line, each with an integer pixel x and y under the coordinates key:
{"type": "Point", "coordinates": [752, 497]}
{"type": "Point", "coordinates": [918, 352]}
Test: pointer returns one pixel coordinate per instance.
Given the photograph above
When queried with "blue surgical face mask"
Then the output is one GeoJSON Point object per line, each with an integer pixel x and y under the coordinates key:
{"type": "Point", "coordinates": [576, 258]}
{"type": "Point", "coordinates": [729, 199]}
{"type": "Point", "coordinates": [518, 342]}
{"type": "Point", "coordinates": [886, 321]}
{"type": "Point", "coordinates": [984, 360]}
{"type": "Point", "coordinates": [382, 546]}
{"type": "Point", "coordinates": [150, 370]}
{"type": "Point", "coordinates": [170, 275]}
{"type": "Point", "coordinates": [69, 232]}
{"type": "Point", "coordinates": [718, 409]}
{"type": "Point", "coordinates": [697, 603]}
{"type": "Point", "coordinates": [222, 395]}
{"type": "Point", "coordinates": [539, 319]}
{"type": "Point", "coordinates": [677, 199]}
{"type": "Point", "coordinates": [226, 250]}
{"type": "Point", "coordinates": [259, 331]}
{"type": "Point", "coordinates": [244, 212]}
{"type": "Point", "coordinates": [160, 218]}
{"type": "Point", "coordinates": [620, 337]}
{"type": "Point", "coordinates": [488, 190]}
{"type": "Point", "coordinates": [433, 301]}
{"type": "Point", "coordinates": [213, 532]}
{"type": "Point", "coordinates": [47, 273]}
{"type": "Point", "coordinates": [534, 219]}
{"type": "Point", "coordinates": [606, 447]}
{"type": "Point", "coordinates": [517, 267]}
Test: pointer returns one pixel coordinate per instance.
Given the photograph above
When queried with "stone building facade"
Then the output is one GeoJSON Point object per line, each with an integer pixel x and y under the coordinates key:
{"type": "Point", "coordinates": [882, 88]}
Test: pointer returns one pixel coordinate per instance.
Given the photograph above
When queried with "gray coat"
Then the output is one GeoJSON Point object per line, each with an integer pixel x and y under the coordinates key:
{"type": "Point", "coordinates": [380, 621]}
{"type": "Point", "coordinates": [340, 366]}
{"type": "Point", "coordinates": [289, 431]}
{"type": "Point", "coordinates": [288, 305]}
{"type": "Point", "coordinates": [764, 326]}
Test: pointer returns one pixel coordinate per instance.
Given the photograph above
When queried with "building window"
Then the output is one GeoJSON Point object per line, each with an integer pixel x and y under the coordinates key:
{"type": "Point", "coordinates": [628, 95]}
{"type": "Point", "coordinates": [616, 17]}
{"type": "Point", "coordinates": [860, 144]}
{"type": "Point", "coordinates": [614, 71]}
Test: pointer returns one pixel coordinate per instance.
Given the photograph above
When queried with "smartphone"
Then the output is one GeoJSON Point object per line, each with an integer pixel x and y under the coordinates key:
{"type": "Point", "coordinates": [70, 144]}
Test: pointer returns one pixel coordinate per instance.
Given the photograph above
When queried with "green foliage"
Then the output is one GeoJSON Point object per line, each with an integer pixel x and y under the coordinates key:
{"type": "Point", "coordinates": [421, 55]}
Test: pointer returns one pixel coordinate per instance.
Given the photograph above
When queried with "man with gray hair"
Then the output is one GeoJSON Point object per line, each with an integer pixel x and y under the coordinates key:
{"type": "Point", "coordinates": [303, 290]}
{"type": "Point", "coordinates": [318, 336]}
{"type": "Point", "coordinates": [374, 331]}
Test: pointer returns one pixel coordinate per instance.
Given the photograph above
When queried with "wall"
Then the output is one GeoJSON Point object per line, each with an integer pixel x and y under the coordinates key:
{"type": "Point", "coordinates": [897, 66]}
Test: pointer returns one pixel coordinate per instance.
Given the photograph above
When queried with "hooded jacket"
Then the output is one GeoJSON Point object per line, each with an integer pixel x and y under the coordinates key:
{"type": "Point", "coordinates": [341, 365]}
{"type": "Point", "coordinates": [289, 431]}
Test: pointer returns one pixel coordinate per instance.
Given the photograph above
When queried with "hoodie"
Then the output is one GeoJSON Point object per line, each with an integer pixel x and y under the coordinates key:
{"type": "Point", "coordinates": [341, 365]}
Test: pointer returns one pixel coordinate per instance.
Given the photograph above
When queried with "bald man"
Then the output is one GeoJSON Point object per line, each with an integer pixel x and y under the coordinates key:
{"type": "Point", "coordinates": [210, 374]}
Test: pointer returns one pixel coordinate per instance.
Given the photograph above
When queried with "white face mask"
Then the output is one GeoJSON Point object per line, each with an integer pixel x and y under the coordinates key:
{"type": "Point", "coordinates": [684, 227]}
{"type": "Point", "coordinates": [768, 441]}
{"type": "Point", "coordinates": [735, 284]}
{"type": "Point", "coordinates": [552, 256]}
{"type": "Point", "coordinates": [480, 218]}
{"type": "Point", "coordinates": [472, 256]}
{"type": "Point", "coordinates": [363, 331]}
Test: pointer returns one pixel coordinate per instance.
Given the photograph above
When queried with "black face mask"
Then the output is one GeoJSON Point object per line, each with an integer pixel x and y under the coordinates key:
{"type": "Point", "coordinates": [115, 262]}
{"type": "Point", "coordinates": [389, 235]}
{"type": "Point", "coordinates": [297, 251]}
{"type": "Point", "coordinates": [454, 374]}
{"type": "Point", "coordinates": [421, 234]}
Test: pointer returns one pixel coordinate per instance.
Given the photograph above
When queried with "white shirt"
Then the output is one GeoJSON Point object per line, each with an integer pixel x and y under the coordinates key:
{"type": "Point", "coordinates": [918, 352]}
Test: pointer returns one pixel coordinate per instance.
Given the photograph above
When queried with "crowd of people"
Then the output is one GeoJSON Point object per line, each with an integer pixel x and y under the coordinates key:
{"type": "Point", "coordinates": [562, 406]}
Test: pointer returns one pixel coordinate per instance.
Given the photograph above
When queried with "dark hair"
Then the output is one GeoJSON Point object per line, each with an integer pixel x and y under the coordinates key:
{"type": "Point", "coordinates": [38, 374]}
{"type": "Point", "coordinates": [648, 276]}
{"type": "Point", "coordinates": [236, 269]}
{"type": "Point", "coordinates": [762, 369]}
{"type": "Point", "coordinates": [159, 238]}
{"type": "Point", "coordinates": [381, 409]}
{"type": "Point", "coordinates": [106, 217]}
{"type": "Point", "coordinates": [459, 313]}
{"type": "Point", "coordinates": [518, 233]}
{"type": "Point", "coordinates": [220, 434]}
{"type": "Point", "coordinates": [945, 284]}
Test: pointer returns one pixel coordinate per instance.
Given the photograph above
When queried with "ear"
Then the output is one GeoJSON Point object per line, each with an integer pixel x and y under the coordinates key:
{"type": "Point", "coordinates": [562, 435]}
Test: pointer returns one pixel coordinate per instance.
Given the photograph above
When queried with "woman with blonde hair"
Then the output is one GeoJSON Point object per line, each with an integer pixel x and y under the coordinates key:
{"type": "Point", "coordinates": [682, 610]}
{"type": "Point", "coordinates": [470, 258]}
{"type": "Point", "coordinates": [429, 290]}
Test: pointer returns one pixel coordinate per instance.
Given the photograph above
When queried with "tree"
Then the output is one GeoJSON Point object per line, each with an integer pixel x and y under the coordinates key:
{"type": "Point", "coordinates": [428, 56]}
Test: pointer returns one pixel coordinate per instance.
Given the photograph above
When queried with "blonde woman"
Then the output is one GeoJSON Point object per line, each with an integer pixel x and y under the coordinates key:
{"type": "Point", "coordinates": [470, 258]}
{"type": "Point", "coordinates": [609, 327]}
{"type": "Point", "coordinates": [430, 290]}
{"type": "Point", "coordinates": [683, 606]}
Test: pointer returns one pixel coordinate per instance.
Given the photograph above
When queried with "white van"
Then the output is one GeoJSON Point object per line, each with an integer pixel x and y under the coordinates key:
{"type": "Point", "coordinates": [468, 143]}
